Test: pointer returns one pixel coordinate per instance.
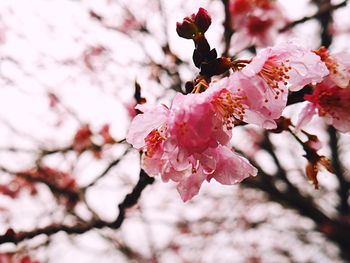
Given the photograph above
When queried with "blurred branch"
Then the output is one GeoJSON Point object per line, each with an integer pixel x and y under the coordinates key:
{"type": "Point", "coordinates": [321, 14]}
{"type": "Point", "coordinates": [228, 32]}
{"type": "Point", "coordinates": [171, 70]}
{"type": "Point", "coordinates": [268, 146]}
{"type": "Point", "coordinates": [45, 152]}
{"type": "Point", "coordinates": [336, 230]}
{"type": "Point", "coordinates": [70, 194]}
{"type": "Point", "coordinates": [108, 168]}
{"type": "Point", "coordinates": [325, 19]}
{"type": "Point", "coordinates": [303, 205]}
{"type": "Point", "coordinates": [17, 150]}
{"type": "Point", "coordinates": [344, 185]}
{"type": "Point", "coordinates": [298, 96]}
{"type": "Point", "coordinates": [130, 200]}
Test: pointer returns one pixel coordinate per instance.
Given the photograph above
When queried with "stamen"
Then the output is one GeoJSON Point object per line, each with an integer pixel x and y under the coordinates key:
{"type": "Point", "coordinates": [329, 102]}
{"type": "Point", "coordinates": [331, 64]}
{"type": "Point", "coordinates": [153, 141]}
{"type": "Point", "coordinates": [274, 74]}
{"type": "Point", "coordinates": [229, 107]}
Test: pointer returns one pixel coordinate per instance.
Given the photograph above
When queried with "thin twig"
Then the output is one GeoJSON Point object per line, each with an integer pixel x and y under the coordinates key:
{"type": "Point", "coordinates": [108, 168]}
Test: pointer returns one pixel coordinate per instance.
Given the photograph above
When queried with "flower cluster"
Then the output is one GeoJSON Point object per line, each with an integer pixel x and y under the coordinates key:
{"type": "Point", "coordinates": [188, 143]}
{"type": "Point", "coordinates": [255, 22]}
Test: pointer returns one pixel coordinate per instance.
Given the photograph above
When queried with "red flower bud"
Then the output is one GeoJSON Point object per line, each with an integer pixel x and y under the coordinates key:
{"type": "Point", "coordinates": [202, 20]}
{"type": "Point", "coordinates": [187, 29]}
{"type": "Point", "coordinates": [194, 24]}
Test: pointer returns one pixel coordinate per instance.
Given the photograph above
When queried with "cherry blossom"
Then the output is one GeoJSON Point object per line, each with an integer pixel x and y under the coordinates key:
{"type": "Point", "coordinates": [329, 101]}
{"type": "Point", "coordinates": [194, 123]}
{"type": "Point", "coordinates": [14, 187]}
{"type": "Point", "coordinates": [286, 66]}
{"type": "Point", "coordinates": [250, 99]}
{"type": "Point", "coordinates": [195, 25]}
{"type": "Point", "coordinates": [187, 143]}
{"type": "Point", "coordinates": [221, 164]}
{"type": "Point", "coordinates": [338, 66]}
{"type": "Point", "coordinates": [143, 124]}
{"type": "Point", "coordinates": [255, 22]}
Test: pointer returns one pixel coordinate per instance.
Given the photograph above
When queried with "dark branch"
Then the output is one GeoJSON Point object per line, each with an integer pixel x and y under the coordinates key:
{"type": "Point", "coordinates": [56, 189]}
{"type": "Point", "coordinates": [298, 96]}
{"type": "Point", "coordinates": [319, 15]}
{"type": "Point", "coordinates": [130, 200]}
{"type": "Point", "coordinates": [228, 32]}
{"type": "Point", "coordinates": [343, 190]}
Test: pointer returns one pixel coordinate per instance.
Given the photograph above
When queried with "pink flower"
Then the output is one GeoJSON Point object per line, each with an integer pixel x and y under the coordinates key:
{"type": "Point", "coordinates": [194, 124]}
{"type": "Point", "coordinates": [255, 22]}
{"type": "Point", "coordinates": [306, 116]}
{"type": "Point", "coordinates": [187, 143]}
{"type": "Point", "coordinates": [218, 163]}
{"type": "Point", "coordinates": [329, 101]}
{"type": "Point", "coordinates": [338, 66]}
{"type": "Point", "coordinates": [142, 125]}
{"type": "Point", "coordinates": [286, 66]}
{"type": "Point", "coordinates": [240, 7]}
{"type": "Point", "coordinates": [248, 99]}
{"type": "Point", "coordinates": [231, 168]}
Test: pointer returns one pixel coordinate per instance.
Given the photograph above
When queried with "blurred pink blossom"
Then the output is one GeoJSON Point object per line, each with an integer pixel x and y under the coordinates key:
{"type": "Point", "coordinates": [12, 258]}
{"type": "Point", "coordinates": [329, 101]}
{"type": "Point", "coordinates": [338, 66]}
{"type": "Point", "coordinates": [255, 22]}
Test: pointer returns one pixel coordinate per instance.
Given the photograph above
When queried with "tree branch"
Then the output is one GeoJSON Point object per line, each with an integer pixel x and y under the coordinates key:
{"type": "Point", "coordinates": [343, 190]}
{"type": "Point", "coordinates": [70, 194]}
{"type": "Point", "coordinates": [319, 15]}
{"type": "Point", "coordinates": [109, 167]}
{"type": "Point", "coordinates": [228, 32]}
{"type": "Point", "coordinates": [130, 200]}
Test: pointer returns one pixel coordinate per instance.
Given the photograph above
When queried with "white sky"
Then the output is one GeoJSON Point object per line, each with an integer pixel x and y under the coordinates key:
{"type": "Point", "coordinates": [47, 40]}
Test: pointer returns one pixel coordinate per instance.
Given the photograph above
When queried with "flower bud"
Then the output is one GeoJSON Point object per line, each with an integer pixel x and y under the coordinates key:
{"type": "Point", "coordinates": [202, 20]}
{"type": "Point", "coordinates": [187, 29]}
{"type": "Point", "coordinates": [193, 25]}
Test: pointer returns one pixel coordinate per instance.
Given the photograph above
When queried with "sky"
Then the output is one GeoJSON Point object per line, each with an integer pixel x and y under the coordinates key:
{"type": "Point", "coordinates": [45, 49]}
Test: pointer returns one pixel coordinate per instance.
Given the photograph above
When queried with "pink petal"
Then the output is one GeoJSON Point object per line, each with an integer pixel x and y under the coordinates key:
{"type": "Point", "coordinates": [231, 168]}
{"type": "Point", "coordinates": [257, 63]}
{"type": "Point", "coordinates": [190, 186]}
{"type": "Point", "coordinates": [143, 124]}
{"type": "Point", "coordinates": [305, 116]}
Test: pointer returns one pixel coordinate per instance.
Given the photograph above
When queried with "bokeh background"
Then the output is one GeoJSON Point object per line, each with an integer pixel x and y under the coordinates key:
{"type": "Point", "coordinates": [70, 66]}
